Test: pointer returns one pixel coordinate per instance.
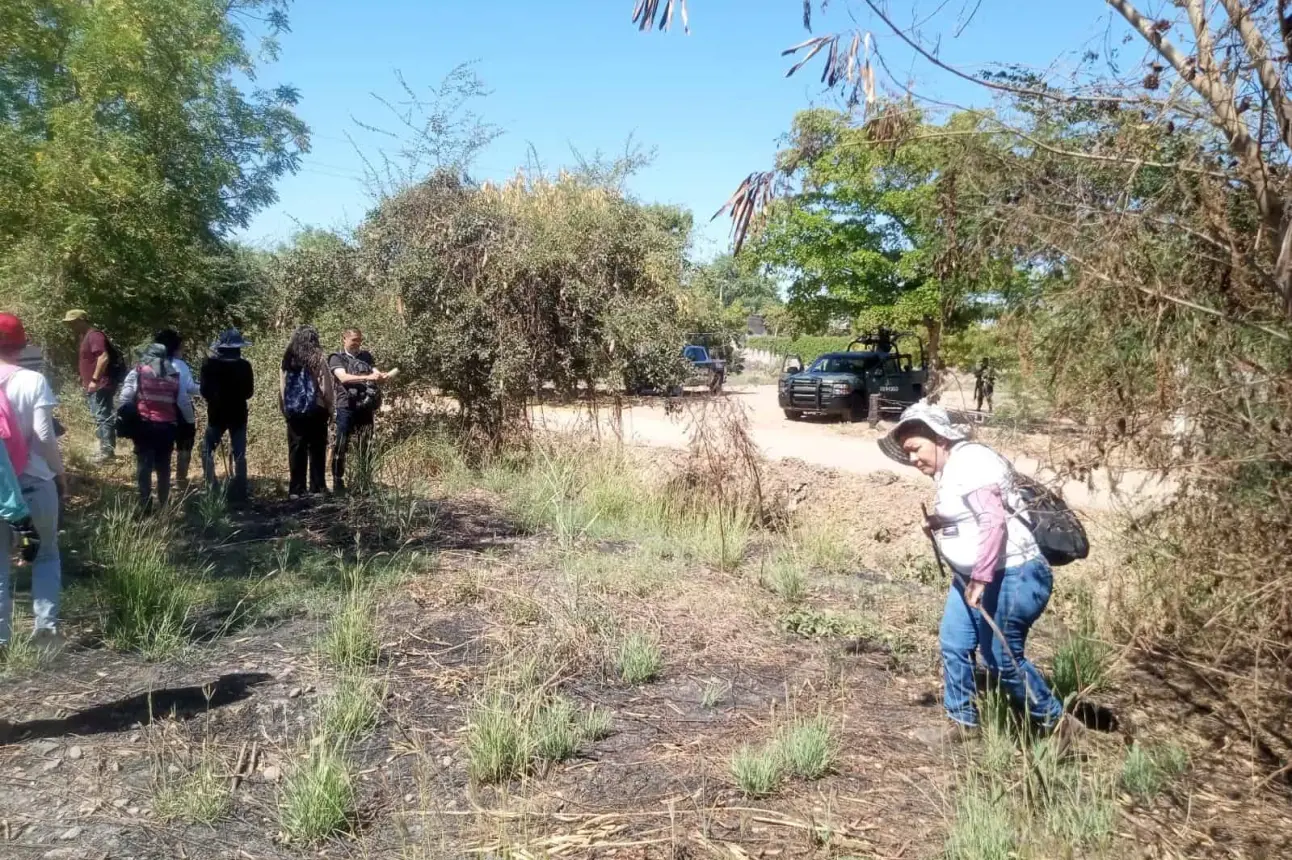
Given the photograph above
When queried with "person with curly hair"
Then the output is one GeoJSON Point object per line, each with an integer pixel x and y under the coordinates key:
{"type": "Point", "coordinates": [306, 399]}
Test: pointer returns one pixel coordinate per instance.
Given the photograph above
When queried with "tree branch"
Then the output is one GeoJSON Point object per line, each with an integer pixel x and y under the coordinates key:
{"type": "Point", "coordinates": [1259, 51]}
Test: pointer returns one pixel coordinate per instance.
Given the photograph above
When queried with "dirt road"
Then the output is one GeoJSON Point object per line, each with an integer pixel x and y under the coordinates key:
{"type": "Point", "coordinates": [827, 443]}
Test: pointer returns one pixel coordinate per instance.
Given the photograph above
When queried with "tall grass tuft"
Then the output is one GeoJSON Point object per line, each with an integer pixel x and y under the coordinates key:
{"type": "Point", "coordinates": [353, 707]}
{"type": "Point", "coordinates": [758, 771]}
{"type": "Point", "coordinates": [808, 748]}
{"type": "Point", "coordinates": [499, 745]}
{"type": "Point", "coordinates": [639, 659]}
{"type": "Point", "coordinates": [351, 642]}
{"type": "Point", "coordinates": [201, 795]}
{"type": "Point", "coordinates": [1080, 666]}
{"type": "Point", "coordinates": [981, 828]}
{"type": "Point", "coordinates": [318, 796]}
{"type": "Point", "coordinates": [145, 598]}
{"type": "Point", "coordinates": [1146, 771]}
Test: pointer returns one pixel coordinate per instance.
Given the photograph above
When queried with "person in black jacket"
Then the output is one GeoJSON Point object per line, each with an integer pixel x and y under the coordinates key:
{"type": "Point", "coordinates": [357, 401]}
{"type": "Point", "coordinates": [227, 383]}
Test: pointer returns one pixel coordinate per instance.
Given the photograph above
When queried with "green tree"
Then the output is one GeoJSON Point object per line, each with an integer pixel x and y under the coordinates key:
{"type": "Point", "coordinates": [733, 284]}
{"type": "Point", "coordinates": [130, 147]}
{"type": "Point", "coordinates": [874, 227]}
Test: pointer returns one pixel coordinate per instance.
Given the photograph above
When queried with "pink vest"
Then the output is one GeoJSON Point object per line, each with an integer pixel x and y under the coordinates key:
{"type": "Point", "coordinates": [156, 398]}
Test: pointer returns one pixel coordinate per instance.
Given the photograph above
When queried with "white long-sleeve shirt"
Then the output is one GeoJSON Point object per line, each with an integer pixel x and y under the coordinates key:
{"type": "Point", "coordinates": [183, 401]}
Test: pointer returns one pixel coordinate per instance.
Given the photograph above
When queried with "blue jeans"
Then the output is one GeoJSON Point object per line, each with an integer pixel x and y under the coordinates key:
{"type": "Point", "coordinates": [238, 447]}
{"type": "Point", "coordinates": [105, 420]}
{"type": "Point", "coordinates": [46, 570]}
{"type": "Point", "coordinates": [1015, 600]}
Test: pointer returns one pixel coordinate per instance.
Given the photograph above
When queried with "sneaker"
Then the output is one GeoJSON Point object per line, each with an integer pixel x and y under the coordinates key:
{"type": "Point", "coordinates": [948, 733]}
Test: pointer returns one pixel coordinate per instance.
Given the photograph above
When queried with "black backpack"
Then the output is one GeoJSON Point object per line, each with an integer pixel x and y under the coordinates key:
{"type": "Point", "coordinates": [1059, 534]}
{"type": "Point", "coordinates": [117, 371]}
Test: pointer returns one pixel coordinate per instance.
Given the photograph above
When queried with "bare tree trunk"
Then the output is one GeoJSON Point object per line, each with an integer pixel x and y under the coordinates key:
{"type": "Point", "coordinates": [933, 358]}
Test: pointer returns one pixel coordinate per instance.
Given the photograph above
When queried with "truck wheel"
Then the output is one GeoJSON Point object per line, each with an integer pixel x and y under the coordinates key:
{"type": "Point", "coordinates": [856, 413]}
{"type": "Point", "coordinates": [793, 414]}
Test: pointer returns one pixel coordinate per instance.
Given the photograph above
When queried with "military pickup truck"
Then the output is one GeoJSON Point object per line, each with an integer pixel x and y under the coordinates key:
{"type": "Point", "coordinates": [841, 383]}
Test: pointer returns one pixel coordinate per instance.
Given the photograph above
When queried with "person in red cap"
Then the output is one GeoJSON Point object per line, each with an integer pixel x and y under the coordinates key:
{"type": "Point", "coordinates": [27, 416]}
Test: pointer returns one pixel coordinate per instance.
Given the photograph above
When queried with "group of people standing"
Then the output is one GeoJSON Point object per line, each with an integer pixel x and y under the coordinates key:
{"type": "Point", "coordinates": [151, 401]}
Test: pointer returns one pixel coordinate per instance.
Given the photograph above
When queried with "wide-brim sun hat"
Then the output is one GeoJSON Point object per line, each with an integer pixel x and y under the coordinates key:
{"type": "Point", "coordinates": [230, 339]}
{"type": "Point", "coordinates": [930, 415]}
{"type": "Point", "coordinates": [75, 314]}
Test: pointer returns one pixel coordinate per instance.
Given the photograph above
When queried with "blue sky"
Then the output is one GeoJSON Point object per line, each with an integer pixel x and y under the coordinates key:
{"type": "Point", "coordinates": [578, 74]}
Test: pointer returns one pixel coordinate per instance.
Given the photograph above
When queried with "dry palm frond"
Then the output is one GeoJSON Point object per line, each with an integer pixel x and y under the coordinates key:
{"type": "Point", "coordinates": [646, 12]}
{"type": "Point", "coordinates": [749, 201]}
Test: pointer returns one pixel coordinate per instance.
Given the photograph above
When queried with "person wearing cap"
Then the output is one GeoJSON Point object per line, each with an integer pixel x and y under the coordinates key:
{"type": "Point", "coordinates": [31, 403]}
{"type": "Point", "coordinates": [185, 430]}
{"type": "Point", "coordinates": [155, 389]}
{"type": "Point", "coordinates": [227, 384]}
{"type": "Point", "coordinates": [999, 575]}
{"type": "Point", "coordinates": [94, 359]}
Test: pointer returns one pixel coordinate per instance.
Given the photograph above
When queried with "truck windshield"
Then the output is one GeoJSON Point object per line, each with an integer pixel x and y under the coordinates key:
{"type": "Point", "coordinates": [840, 364]}
{"type": "Point", "coordinates": [696, 353]}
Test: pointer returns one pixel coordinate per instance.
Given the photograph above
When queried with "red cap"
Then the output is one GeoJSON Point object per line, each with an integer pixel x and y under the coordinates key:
{"type": "Point", "coordinates": [13, 336]}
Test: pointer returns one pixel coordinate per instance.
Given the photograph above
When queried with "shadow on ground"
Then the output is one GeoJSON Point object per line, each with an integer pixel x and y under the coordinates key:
{"type": "Point", "coordinates": [177, 703]}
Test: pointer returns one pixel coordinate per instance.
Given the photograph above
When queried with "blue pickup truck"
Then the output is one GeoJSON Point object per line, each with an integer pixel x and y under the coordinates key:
{"type": "Point", "coordinates": [705, 369]}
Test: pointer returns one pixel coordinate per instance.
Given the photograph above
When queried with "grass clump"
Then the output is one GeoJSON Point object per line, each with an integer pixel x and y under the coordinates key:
{"type": "Point", "coordinates": [713, 693]}
{"type": "Point", "coordinates": [556, 731]}
{"type": "Point", "coordinates": [596, 724]}
{"type": "Point", "coordinates": [1146, 771]}
{"type": "Point", "coordinates": [318, 797]}
{"type": "Point", "coordinates": [350, 641]}
{"type": "Point", "coordinates": [1080, 666]}
{"type": "Point", "coordinates": [200, 796]}
{"type": "Point", "coordinates": [508, 733]}
{"type": "Point", "coordinates": [808, 748]}
{"type": "Point", "coordinates": [784, 577]}
{"type": "Point", "coordinates": [499, 745]}
{"type": "Point", "coordinates": [981, 828]}
{"type": "Point", "coordinates": [758, 771]}
{"type": "Point", "coordinates": [639, 660]}
{"type": "Point", "coordinates": [352, 708]}
{"type": "Point", "coordinates": [22, 656]}
{"type": "Point", "coordinates": [145, 598]}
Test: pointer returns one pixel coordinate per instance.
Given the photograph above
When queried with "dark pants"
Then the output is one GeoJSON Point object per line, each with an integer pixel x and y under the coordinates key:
{"type": "Point", "coordinates": [355, 426]}
{"type": "Point", "coordinates": [307, 445]}
{"type": "Point", "coordinates": [154, 444]}
{"type": "Point", "coordinates": [185, 439]}
{"type": "Point", "coordinates": [238, 448]}
{"type": "Point", "coordinates": [105, 420]}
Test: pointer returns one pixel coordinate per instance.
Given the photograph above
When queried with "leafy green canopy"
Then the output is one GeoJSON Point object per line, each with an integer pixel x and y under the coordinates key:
{"type": "Point", "coordinates": [132, 141]}
{"type": "Point", "coordinates": [872, 228]}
